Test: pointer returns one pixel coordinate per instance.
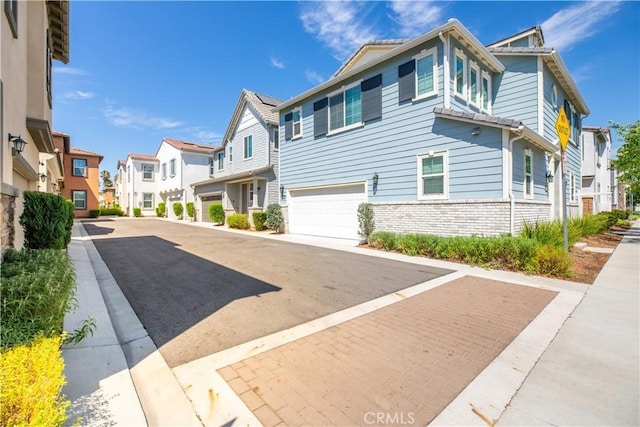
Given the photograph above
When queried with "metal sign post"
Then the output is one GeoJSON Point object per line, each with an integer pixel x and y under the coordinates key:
{"type": "Point", "coordinates": [562, 127]}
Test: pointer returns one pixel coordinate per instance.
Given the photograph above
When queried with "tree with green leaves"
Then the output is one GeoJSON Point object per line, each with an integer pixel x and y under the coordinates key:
{"type": "Point", "coordinates": [106, 179]}
{"type": "Point", "coordinates": [627, 161]}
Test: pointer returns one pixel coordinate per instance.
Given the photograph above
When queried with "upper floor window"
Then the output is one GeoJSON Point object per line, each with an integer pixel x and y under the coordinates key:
{"type": "Point", "coordinates": [211, 165]}
{"type": "Point", "coordinates": [344, 108]}
{"type": "Point", "coordinates": [460, 80]}
{"type": "Point", "coordinates": [147, 172]}
{"type": "Point", "coordinates": [172, 167]}
{"type": "Point", "coordinates": [79, 167]}
{"type": "Point", "coordinates": [248, 147]}
{"type": "Point", "coordinates": [276, 139]}
{"type": "Point", "coordinates": [129, 173]}
{"type": "Point", "coordinates": [426, 72]}
{"type": "Point", "coordinates": [528, 175]}
{"type": "Point", "coordinates": [163, 170]}
{"type": "Point", "coordinates": [11, 10]}
{"type": "Point", "coordinates": [486, 92]}
{"type": "Point", "coordinates": [474, 84]}
{"type": "Point", "coordinates": [432, 175]}
{"type": "Point", "coordinates": [297, 123]}
{"type": "Point", "coordinates": [230, 154]}
{"type": "Point", "coordinates": [221, 160]}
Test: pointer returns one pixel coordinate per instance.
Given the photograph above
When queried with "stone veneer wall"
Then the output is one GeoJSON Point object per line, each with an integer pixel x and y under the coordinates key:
{"type": "Point", "coordinates": [7, 223]}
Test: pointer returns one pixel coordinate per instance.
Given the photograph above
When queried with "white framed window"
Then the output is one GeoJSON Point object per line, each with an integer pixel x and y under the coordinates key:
{"type": "Point", "coordinates": [426, 73]}
{"type": "Point", "coordinates": [276, 139]}
{"type": "Point", "coordinates": [172, 167]}
{"type": "Point", "coordinates": [147, 200]}
{"type": "Point", "coordinates": [79, 167]}
{"type": "Point", "coordinates": [474, 84]}
{"type": "Point", "coordinates": [460, 77]}
{"type": "Point", "coordinates": [211, 165]}
{"type": "Point", "coordinates": [147, 172]}
{"type": "Point", "coordinates": [221, 160]}
{"type": "Point", "coordinates": [554, 96]}
{"type": "Point", "coordinates": [250, 201]}
{"type": "Point", "coordinates": [129, 173]}
{"type": "Point", "coordinates": [573, 192]}
{"type": "Point", "coordinates": [248, 147]}
{"type": "Point", "coordinates": [486, 92]}
{"type": "Point", "coordinates": [297, 122]}
{"type": "Point", "coordinates": [528, 174]}
{"type": "Point", "coordinates": [230, 154]}
{"type": "Point", "coordinates": [163, 171]}
{"type": "Point", "coordinates": [432, 175]}
{"type": "Point", "coordinates": [345, 108]}
{"type": "Point", "coordinates": [79, 199]}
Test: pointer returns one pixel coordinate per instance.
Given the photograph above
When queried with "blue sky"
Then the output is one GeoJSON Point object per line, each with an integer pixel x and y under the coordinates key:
{"type": "Point", "coordinates": [141, 71]}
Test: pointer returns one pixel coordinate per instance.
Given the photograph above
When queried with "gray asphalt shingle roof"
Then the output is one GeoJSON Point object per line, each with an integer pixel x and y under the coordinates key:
{"type": "Point", "coordinates": [477, 117]}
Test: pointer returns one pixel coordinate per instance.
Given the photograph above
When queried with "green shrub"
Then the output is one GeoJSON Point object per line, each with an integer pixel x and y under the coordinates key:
{"type": "Point", "coordinates": [111, 211]}
{"type": "Point", "coordinates": [47, 220]}
{"type": "Point", "coordinates": [366, 221]}
{"type": "Point", "coordinates": [589, 225]}
{"type": "Point", "coordinates": [191, 209]}
{"type": "Point", "coordinates": [32, 380]}
{"type": "Point", "coordinates": [161, 209]}
{"type": "Point", "coordinates": [94, 213]}
{"type": "Point", "coordinates": [275, 219]}
{"type": "Point", "coordinates": [550, 232]}
{"type": "Point", "coordinates": [384, 240]}
{"type": "Point", "coordinates": [259, 219]}
{"type": "Point", "coordinates": [216, 213]}
{"type": "Point", "coordinates": [137, 212]}
{"type": "Point", "coordinates": [238, 221]}
{"type": "Point", "coordinates": [37, 289]}
{"type": "Point", "coordinates": [552, 261]}
{"type": "Point", "coordinates": [178, 209]}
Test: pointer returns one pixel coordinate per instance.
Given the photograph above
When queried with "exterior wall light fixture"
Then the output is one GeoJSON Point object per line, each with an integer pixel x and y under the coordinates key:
{"type": "Point", "coordinates": [18, 144]}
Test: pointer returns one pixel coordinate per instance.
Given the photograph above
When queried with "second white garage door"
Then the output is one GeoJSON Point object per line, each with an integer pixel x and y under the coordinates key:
{"type": "Point", "coordinates": [326, 211]}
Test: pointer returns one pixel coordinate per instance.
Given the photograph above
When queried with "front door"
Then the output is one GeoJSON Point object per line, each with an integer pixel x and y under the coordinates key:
{"type": "Point", "coordinates": [244, 207]}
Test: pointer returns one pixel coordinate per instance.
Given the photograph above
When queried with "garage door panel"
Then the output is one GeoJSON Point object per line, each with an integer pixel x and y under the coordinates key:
{"type": "Point", "coordinates": [326, 211]}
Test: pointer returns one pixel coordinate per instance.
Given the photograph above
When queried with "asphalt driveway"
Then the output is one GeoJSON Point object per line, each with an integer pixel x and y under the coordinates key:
{"type": "Point", "coordinates": [198, 291]}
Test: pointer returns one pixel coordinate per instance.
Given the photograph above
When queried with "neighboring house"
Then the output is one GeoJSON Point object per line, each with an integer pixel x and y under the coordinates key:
{"type": "Point", "coordinates": [141, 175]}
{"type": "Point", "coordinates": [121, 187]}
{"type": "Point", "coordinates": [108, 194]}
{"type": "Point", "coordinates": [440, 133]}
{"type": "Point", "coordinates": [81, 179]}
{"type": "Point", "coordinates": [619, 194]}
{"type": "Point", "coordinates": [244, 172]}
{"type": "Point", "coordinates": [597, 185]}
{"type": "Point", "coordinates": [32, 35]}
{"type": "Point", "coordinates": [181, 164]}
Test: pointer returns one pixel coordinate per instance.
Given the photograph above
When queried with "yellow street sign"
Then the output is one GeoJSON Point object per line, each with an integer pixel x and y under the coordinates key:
{"type": "Point", "coordinates": [562, 127]}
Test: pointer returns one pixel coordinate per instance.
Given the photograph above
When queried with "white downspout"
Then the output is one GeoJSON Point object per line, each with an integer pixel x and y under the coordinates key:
{"type": "Point", "coordinates": [445, 60]}
{"type": "Point", "coordinates": [512, 201]}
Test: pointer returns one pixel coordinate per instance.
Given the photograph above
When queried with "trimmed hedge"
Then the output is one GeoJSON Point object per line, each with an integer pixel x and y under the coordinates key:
{"type": "Point", "coordinates": [191, 209]}
{"type": "Point", "coordinates": [137, 212]}
{"type": "Point", "coordinates": [258, 220]}
{"type": "Point", "coordinates": [111, 211]}
{"type": "Point", "coordinates": [216, 213]}
{"type": "Point", "coordinates": [239, 221]}
{"type": "Point", "coordinates": [94, 213]}
{"type": "Point", "coordinates": [178, 209]}
{"type": "Point", "coordinates": [47, 220]}
{"type": "Point", "coordinates": [32, 380]}
{"type": "Point", "coordinates": [161, 209]}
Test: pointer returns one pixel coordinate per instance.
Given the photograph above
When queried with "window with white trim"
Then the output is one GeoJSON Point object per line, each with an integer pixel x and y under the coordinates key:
{"type": "Point", "coordinates": [163, 171]}
{"type": "Point", "coordinates": [486, 92]}
{"type": "Point", "coordinates": [276, 139]}
{"type": "Point", "coordinates": [221, 160]}
{"type": "Point", "coordinates": [79, 198]}
{"type": "Point", "coordinates": [250, 201]}
{"type": "Point", "coordinates": [572, 188]}
{"type": "Point", "coordinates": [230, 154]}
{"type": "Point", "coordinates": [344, 108]}
{"type": "Point", "coordinates": [432, 176]}
{"type": "Point", "coordinates": [474, 84]}
{"type": "Point", "coordinates": [460, 77]}
{"type": "Point", "coordinates": [211, 166]}
{"type": "Point", "coordinates": [147, 172]}
{"type": "Point", "coordinates": [147, 200]}
{"type": "Point", "coordinates": [128, 173]}
{"type": "Point", "coordinates": [172, 167]}
{"type": "Point", "coordinates": [528, 174]}
{"type": "Point", "coordinates": [297, 122]}
{"type": "Point", "coordinates": [79, 167]}
{"type": "Point", "coordinates": [248, 147]}
{"type": "Point", "coordinates": [426, 73]}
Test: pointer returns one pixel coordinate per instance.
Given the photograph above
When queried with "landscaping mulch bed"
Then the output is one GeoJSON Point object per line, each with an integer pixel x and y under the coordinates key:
{"type": "Point", "coordinates": [585, 265]}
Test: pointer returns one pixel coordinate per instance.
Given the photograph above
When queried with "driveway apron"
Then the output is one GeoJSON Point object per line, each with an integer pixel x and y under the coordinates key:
{"type": "Point", "coordinates": [198, 291]}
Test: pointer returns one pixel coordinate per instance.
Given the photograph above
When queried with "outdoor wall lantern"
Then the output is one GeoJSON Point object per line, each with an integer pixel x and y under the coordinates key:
{"type": "Point", "coordinates": [282, 191]}
{"type": "Point", "coordinates": [43, 177]}
{"type": "Point", "coordinates": [375, 179]}
{"type": "Point", "coordinates": [549, 176]}
{"type": "Point", "coordinates": [18, 144]}
{"type": "Point", "coordinates": [475, 131]}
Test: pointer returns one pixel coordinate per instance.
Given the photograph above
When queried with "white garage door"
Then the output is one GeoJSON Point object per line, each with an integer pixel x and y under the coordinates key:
{"type": "Point", "coordinates": [326, 211]}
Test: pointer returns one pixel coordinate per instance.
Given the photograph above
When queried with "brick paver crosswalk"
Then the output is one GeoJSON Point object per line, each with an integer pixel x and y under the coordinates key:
{"type": "Point", "coordinates": [401, 364]}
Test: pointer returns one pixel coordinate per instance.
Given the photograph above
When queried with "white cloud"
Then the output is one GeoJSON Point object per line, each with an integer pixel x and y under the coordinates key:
{"type": "Point", "coordinates": [78, 95]}
{"type": "Point", "coordinates": [338, 24]}
{"type": "Point", "coordinates": [129, 118]}
{"type": "Point", "coordinates": [415, 17]}
{"type": "Point", "coordinates": [275, 62]}
{"type": "Point", "coordinates": [313, 77]}
{"type": "Point", "coordinates": [575, 23]}
{"type": "Point", "coordinates": [70, 70]}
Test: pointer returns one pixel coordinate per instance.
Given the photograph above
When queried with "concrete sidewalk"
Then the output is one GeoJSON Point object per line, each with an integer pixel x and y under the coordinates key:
{"type": "Point", "coordinates": [589, 375]}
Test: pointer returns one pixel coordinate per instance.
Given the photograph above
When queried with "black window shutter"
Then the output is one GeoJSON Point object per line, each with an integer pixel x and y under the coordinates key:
{"type": "Point", "coordinates": [320, 117]}
{"type": "Point", "coordinates": [288, 126]}
{"type": "Point", "coordinates": [407, 81]}
{"type": "Point", "coordinates": [371, 90]}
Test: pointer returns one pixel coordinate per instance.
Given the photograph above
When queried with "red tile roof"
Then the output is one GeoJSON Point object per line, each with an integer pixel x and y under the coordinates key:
{"type": "Point", "coordinates": [143, 156]}
{"type": "Point", "coordinates": [189, 146]}
{"type": "Point", "coordinates": [84, 152]}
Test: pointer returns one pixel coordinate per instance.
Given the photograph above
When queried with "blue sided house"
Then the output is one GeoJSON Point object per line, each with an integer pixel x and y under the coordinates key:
{"type": "Point", "coordinates": [441, 134]}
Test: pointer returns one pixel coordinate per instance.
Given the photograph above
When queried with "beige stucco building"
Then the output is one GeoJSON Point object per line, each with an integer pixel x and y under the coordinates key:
{"type": "Point", "coordinates": [32, 35]}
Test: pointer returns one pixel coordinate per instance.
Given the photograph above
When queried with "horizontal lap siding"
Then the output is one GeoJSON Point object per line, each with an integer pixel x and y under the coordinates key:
{"type": "Point", "coordinates": [551, 113]}
{"type": "Point", "coordinates": [249, 125]}
{"type": "Point", "coordinates": [516, 96]}
{"type": "Point", "coordinates": [539, 171]}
